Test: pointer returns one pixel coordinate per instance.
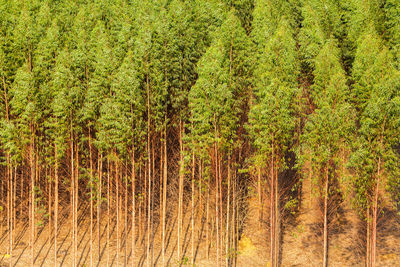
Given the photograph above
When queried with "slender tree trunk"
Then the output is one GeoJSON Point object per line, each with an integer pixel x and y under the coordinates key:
{"type": "Point", "coordinates": [325, 256]}
{"type": "Point", "coordinates": [277, 218]}
{"type": "Point", "coordinates": [149, 171]}
{"type": "Point", "coordinates": [192, 217]}
{"type": "Point", "coordinates": [227, 239]}
{"type": "Point", "coordinates": [152, 204]}
{"type": "Point", "coordinates": [259, 197]}
{"type": "Point", "coordinates": [72, 198]}
{"type": "Point", "coordinates": [91, 199]}
{"type": "Point", "coordinates": [234, 210]}
{"type": "Point", "coordinates": [221, 228]}
{"type": "Point", "coordinates": [133, 173]}
{"type": "Point", "coordinates": [100, 166]}
{"type": "Point", "coordinates": [76, 202]}
{"type": "Point", "coordinates": [108, 211]}
{"type": "Point", "coordinates": [375, 217]}
{"type": "Point", "coordinates": [208, 219]}
{"type": "Point", "coordinates": [55, 203]}
{"type": "Point", "coordinates": [9, 185]}
{"type": "Point", "coordinates": [32, 241]}
{"type": "Point", "coordinates": [49, 190]}
{"type": "Point", "coordinates": [216, 205]}
{"type": "Point", "coordinates": [368, 252]}
{"type": "Point", "coordinates": [180, 200]}
{"type": "Point", "coordinates": [126, 215]}
{"type": "Point", "coordinates": [117, 178]}
{"type": "Point", "coordinates": [164, 201]}
{"type": "Point", "coordinates": [272, 219]}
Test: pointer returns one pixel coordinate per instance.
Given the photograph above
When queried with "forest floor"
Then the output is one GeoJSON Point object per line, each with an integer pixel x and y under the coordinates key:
{"type": "Point", "coordinates": [301, 241]}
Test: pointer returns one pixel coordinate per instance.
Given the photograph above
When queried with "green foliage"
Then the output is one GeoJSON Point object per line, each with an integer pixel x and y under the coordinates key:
{"type": "Point", "coordinates": [321, 21]}
{"type": "Point", "coordinates": [329, 129]}
{"type": "Point", "coordinates": [218, 93]}
{"type": "Point", "coordinates": [377, 95]}
{"type": "Point", "coordinates": [271, 115]}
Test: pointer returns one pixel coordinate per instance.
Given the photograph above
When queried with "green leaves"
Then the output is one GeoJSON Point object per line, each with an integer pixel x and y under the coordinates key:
{"type": "Point", "coordinates": [376, 92]}
{"type": "Point", "coordinates": [223, 80]}
{"type": "Point", "coordinates": [271, 115]}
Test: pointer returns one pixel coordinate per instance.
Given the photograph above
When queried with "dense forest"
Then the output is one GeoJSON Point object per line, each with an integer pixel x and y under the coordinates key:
{"type": "Point", "coordinates": [200, 133]}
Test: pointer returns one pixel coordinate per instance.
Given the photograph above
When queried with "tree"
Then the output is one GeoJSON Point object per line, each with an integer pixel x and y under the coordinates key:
{"type": "Point", "coordinates": [329, 128]}
{"type": "Point", "coordinates": [376, 94]}
{"type": "Point", "coordinates": [215, 100]}
{"type": "Point", "coordinates": [322, 20]}
{"type": "Point", "coordinates": [271, 115]}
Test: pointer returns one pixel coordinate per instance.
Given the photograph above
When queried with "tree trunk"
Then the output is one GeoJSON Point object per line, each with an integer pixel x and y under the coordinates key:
{"type": "Point", "coordinates": [108, 212]}
{"type": "Point", "coordinates": [76, 202]}
{"type": "Point", "coordinates": [32, 238]}
{"type": "Point", "coordinates": [180, 200]}
{"type": "Point", "coordinates": [126, 215]}
{"type": "Point", "coordinates": [117, 179]}
{"type": "Point", "coordinates": [192, 217]}
{"type": "Point", "coordinates": [272, 220]}
{"type": "Point", "coordinates": [208, 219]}
{"type": "Point", "coordinates": [133, 206]}
{"type": "Point", "coordinates": [148, 171]}
{"type": "Point", "coordinates": [100, 166]}
{"type": "Point", "coordinates": [368, 250]}
{"type": "Point", "coordinates": [164, 198]}
{"type": "Point", "coordinates": [277, 218]}
{"type": "Point", "coordinates": [325, 255]}
{"type": "Point", "coordinates": [72, 197]}
{"type": "Point", "coordinates": [55, 203]}
{"type": "Point", "coordinates": [375, 217]}
{"type": "Point", "coordinates": [227, 248]}
{"type": "Point", "coordinates": [216, 205]}
{"type": "Point", "coordinates": [221, 236]}
{"type": "Point", "coordinates": [259, 197]}
{"type": "Point", "coordinates": [9, 186]}
{"type": "Point", "coordinates": [91, 199]}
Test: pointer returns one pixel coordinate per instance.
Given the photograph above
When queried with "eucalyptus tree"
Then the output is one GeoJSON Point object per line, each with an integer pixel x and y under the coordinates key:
{"type": "Point", "coordinates": [376, 93]}
{"type": "Point", "coordinates": [329, 128]}
{"type": "Point", "coordinates": [322, 19]}
{"type": "Point", "coordinates": [271, 116]}
{"type": "Point", "coordinates": [64, 97]}
{"type": "Point", "coordinates": [215, 100]}
{"type": "Point", "coordinates": [392, 26]}
{"type": "Point", "coordinates": [27, 113]}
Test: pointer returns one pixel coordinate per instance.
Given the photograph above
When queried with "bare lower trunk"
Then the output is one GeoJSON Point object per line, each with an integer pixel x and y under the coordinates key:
{"type": "Point", "coordinates": [133, 207]}
{"type": "Point", "coordinates": [180, 200]}
{"type": "Point", "coordinates": [76, 203]}
{"type": "Point", "coordinates": [227, 248]}
{"type": "Point", "coordinates": [91, 200]}
{"type": "Point", "coordinates": [272, 219]}
{"type": "Point", "coordinates": [375, 217]}
{"type": "Point", "coordinates": [325, 255]}
{"type": "Point", "coordinates": [192, 202]}
{"type": "Point", "coordinates": [32, 202]}
{"type": "Point", "coordinates": [216, 205]}
{"type": "Point", "coordinates": [259, 197]}
{"type": "Point", "coordinates": [164, 199]}
{"type": "Point", "coordinates": [368, 250]}
{"type": "Point", "coordinates": [277, 219]}
{"type": "Point", "coordinates": [55, 203]}
{"type": "Point", "coordinates": [117, 176]}
{"type": "Point", "coordinates": [126, 216]}
{"type": "Point", "coordinates": [100, 166]}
